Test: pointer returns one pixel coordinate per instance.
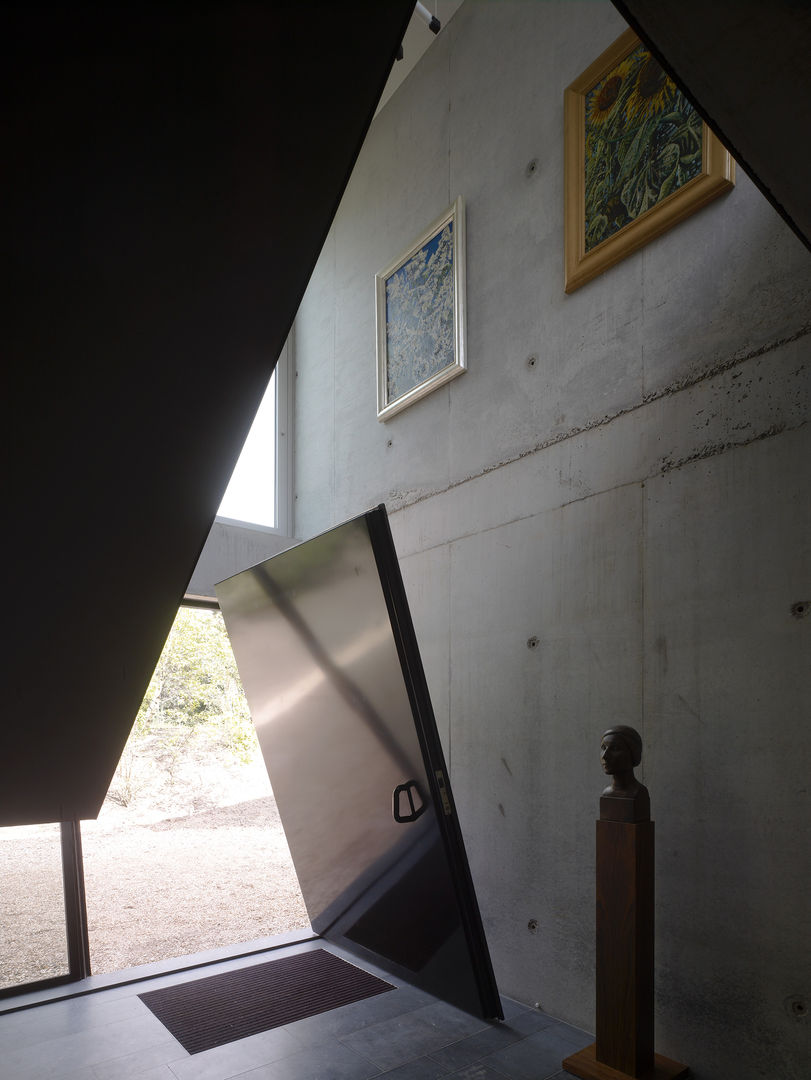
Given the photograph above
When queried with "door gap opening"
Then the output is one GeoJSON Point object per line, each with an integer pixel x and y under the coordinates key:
{"type": "Point", "coordinates": [188, 853]}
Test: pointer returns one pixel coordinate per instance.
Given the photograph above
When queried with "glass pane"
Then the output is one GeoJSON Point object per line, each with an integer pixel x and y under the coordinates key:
{"type": "Point", "coordinates": [33, 938]}
{"type": "Point", "coordinates": [251, 492]}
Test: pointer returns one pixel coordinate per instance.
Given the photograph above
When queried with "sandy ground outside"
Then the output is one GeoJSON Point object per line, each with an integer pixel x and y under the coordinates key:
{"type": "Point", "coordinates": [195, 860]}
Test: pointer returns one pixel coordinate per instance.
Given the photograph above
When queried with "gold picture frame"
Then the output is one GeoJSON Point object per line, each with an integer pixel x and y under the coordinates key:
{"type": "Point", "coordinates": [638, 159]}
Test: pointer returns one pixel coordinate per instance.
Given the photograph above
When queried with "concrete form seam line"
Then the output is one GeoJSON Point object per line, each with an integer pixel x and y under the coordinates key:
{"type": "Point", "coordinates": [680, 385]}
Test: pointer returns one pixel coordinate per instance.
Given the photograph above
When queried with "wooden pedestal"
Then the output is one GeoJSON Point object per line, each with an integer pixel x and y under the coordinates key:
{"type": "Point", "coordinates": [624, 976]}
{"type": "Point", "coordinates": [585, 1064]}
{"type": "Point", "coordinates": [625, 854]}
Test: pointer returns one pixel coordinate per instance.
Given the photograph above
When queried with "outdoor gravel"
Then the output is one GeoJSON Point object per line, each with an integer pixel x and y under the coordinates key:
{"type": "Point", "coordinates": [195, 864]}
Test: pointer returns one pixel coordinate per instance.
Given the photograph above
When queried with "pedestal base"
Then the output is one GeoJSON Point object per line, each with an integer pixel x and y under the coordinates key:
{"type": "Point", "coordinates": [585, 1064]}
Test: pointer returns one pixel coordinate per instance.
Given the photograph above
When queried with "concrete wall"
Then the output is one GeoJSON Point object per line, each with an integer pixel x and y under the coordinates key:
{"type": "Point", "coordinates": [230, 548]}
{"type": "Point", "coordinates": [636, 500]}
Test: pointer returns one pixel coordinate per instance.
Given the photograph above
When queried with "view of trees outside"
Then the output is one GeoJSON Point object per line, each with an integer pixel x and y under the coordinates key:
{"type": "Point", "coordinates": [194, 704]}
{"type": "Point", "coordinates": [188, 853]}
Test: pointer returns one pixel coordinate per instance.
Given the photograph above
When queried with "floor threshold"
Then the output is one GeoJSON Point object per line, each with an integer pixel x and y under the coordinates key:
{"type": "Point", "coordinates": [96, 983]}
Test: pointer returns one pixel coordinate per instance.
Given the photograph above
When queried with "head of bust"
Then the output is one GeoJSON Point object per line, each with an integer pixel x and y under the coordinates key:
{"type": "Point", "coordinates": [621, 749]}
{"type": "Point", "coordinates": [620, 752]}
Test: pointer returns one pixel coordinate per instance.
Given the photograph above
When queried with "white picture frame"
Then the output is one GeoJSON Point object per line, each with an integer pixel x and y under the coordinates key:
{"type": "Point", "coordinates": [420, 315]}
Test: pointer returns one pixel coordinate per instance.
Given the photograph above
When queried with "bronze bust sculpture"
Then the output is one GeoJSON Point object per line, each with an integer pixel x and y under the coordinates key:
{"type": "Point", "coordinates": [624, 968]}
{"type": "Point", "coordinates": [625, 799]}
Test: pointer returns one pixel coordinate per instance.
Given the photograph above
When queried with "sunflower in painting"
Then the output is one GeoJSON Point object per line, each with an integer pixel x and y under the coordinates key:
{"type": "Point", "coordinates": [643, 142]}
{"type": "Point", "coordinates": [603, 101]}
{"type": "Point", "coordinates": [652, 93]}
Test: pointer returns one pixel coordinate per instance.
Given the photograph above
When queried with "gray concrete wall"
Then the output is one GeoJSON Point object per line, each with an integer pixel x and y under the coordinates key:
{"type": "Point", "coordinates": [637, 500]}
{"type": "Point", "coordinates": [229, 549]}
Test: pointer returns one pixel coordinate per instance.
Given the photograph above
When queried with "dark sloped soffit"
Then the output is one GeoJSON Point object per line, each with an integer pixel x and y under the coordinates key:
{"type": "Point", "coordinates": [171, 175]}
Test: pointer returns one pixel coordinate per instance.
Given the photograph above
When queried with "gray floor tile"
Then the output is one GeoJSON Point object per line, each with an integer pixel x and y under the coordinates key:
{"type": "Point", "coordinates": [353, 1017]}
{"type": "Point", "coordinates": [323, 1062]}
{"type": "Point", "coordinates": [414, 1035]}
{"type": "Point", "coordinates": [396, 1041]}
{"type": "Point", "coordinates": [453, 1019]}
{"type": "Point", "coordinates": [510, 1007]}
{"type": "Point", "coordinates": [528, 1023]}
{"type": "Point", "coordinates": [80, 1074]}
{"type": "Point", "coordinates": [476, 1072]}
{"type": "Point", "coordinates": [232, 1059]}
{"type": "Point", "coordinates": [537, 1057]}
{"type": "Point", "coordinates": [19, 1029]}
{"type": "Point", "coordinates": [493, 1038]}
{"type": "Point", "coordinates": [421, 1069]}
{"type": "Point", "coordinates": [65, 1018]}
{"type": "Point", "coordinates": [159, 1072]}
{"type": "Point", "coordinates": [133, 1066]}
{"type": "Point", "coordinates": [57, 1057]}
{"type": "Point", "coordinates": [576, 1036]}
{"type": "Point", "coordinates": [475, 1047]}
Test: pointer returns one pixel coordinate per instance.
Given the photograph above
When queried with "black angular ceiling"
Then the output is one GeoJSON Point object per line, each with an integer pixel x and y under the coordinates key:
{"type": "Point", "coordinates": [745, 65]}
{"type": "Point", "coordinates": [171, 173]}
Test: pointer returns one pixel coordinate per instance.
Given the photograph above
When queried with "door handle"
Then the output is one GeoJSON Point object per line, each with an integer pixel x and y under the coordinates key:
{"type": "Point", "coordinates": [404, 808]}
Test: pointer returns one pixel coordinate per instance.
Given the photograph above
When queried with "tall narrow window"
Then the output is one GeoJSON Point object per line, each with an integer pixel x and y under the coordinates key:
{"type": "Point", "coordinates": [251, 492]}
{"type": "Point", "coordinates": [259, 489]}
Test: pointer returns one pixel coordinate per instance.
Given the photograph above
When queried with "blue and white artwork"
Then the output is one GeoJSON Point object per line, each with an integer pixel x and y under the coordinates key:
{"type": "Point", "coordinates": [420, 316]}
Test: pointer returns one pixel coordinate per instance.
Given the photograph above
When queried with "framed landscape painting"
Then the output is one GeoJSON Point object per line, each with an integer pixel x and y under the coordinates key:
{"type": "Point", "coordinates": [420, 305]}
{"type": "Point", "coordinates": [638, 159]}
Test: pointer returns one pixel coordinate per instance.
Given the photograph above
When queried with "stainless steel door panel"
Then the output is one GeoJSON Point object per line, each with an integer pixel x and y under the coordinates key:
{"type": "Point", "coordinates": [328, 659]}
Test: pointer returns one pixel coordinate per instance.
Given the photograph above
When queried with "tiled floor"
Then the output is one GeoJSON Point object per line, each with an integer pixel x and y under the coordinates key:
{"type": "Point", "coordinates": [403, 1035]}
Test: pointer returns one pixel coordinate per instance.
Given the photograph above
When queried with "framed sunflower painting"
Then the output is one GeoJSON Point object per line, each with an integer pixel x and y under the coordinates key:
{"type": "Point", "coordinates": [638, 159]}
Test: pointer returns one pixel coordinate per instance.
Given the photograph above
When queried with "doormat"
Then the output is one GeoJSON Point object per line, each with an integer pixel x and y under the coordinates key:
{"type": "Point", "coordinates": [221, 1008]}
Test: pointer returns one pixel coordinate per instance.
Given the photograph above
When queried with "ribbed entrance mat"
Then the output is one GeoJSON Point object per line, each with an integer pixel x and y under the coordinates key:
{"type": "Point", "coordinates": [221, 1008]}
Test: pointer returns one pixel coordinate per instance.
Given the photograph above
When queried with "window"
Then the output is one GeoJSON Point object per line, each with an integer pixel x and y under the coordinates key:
{"type": "Point", "coordinates": [260, 489]}
{"type": "Point", "coordinates": [43, 933]}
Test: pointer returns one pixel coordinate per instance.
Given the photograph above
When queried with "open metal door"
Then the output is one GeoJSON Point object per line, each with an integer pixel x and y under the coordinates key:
{"type": "Point", "coordinates": [329, 661]}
